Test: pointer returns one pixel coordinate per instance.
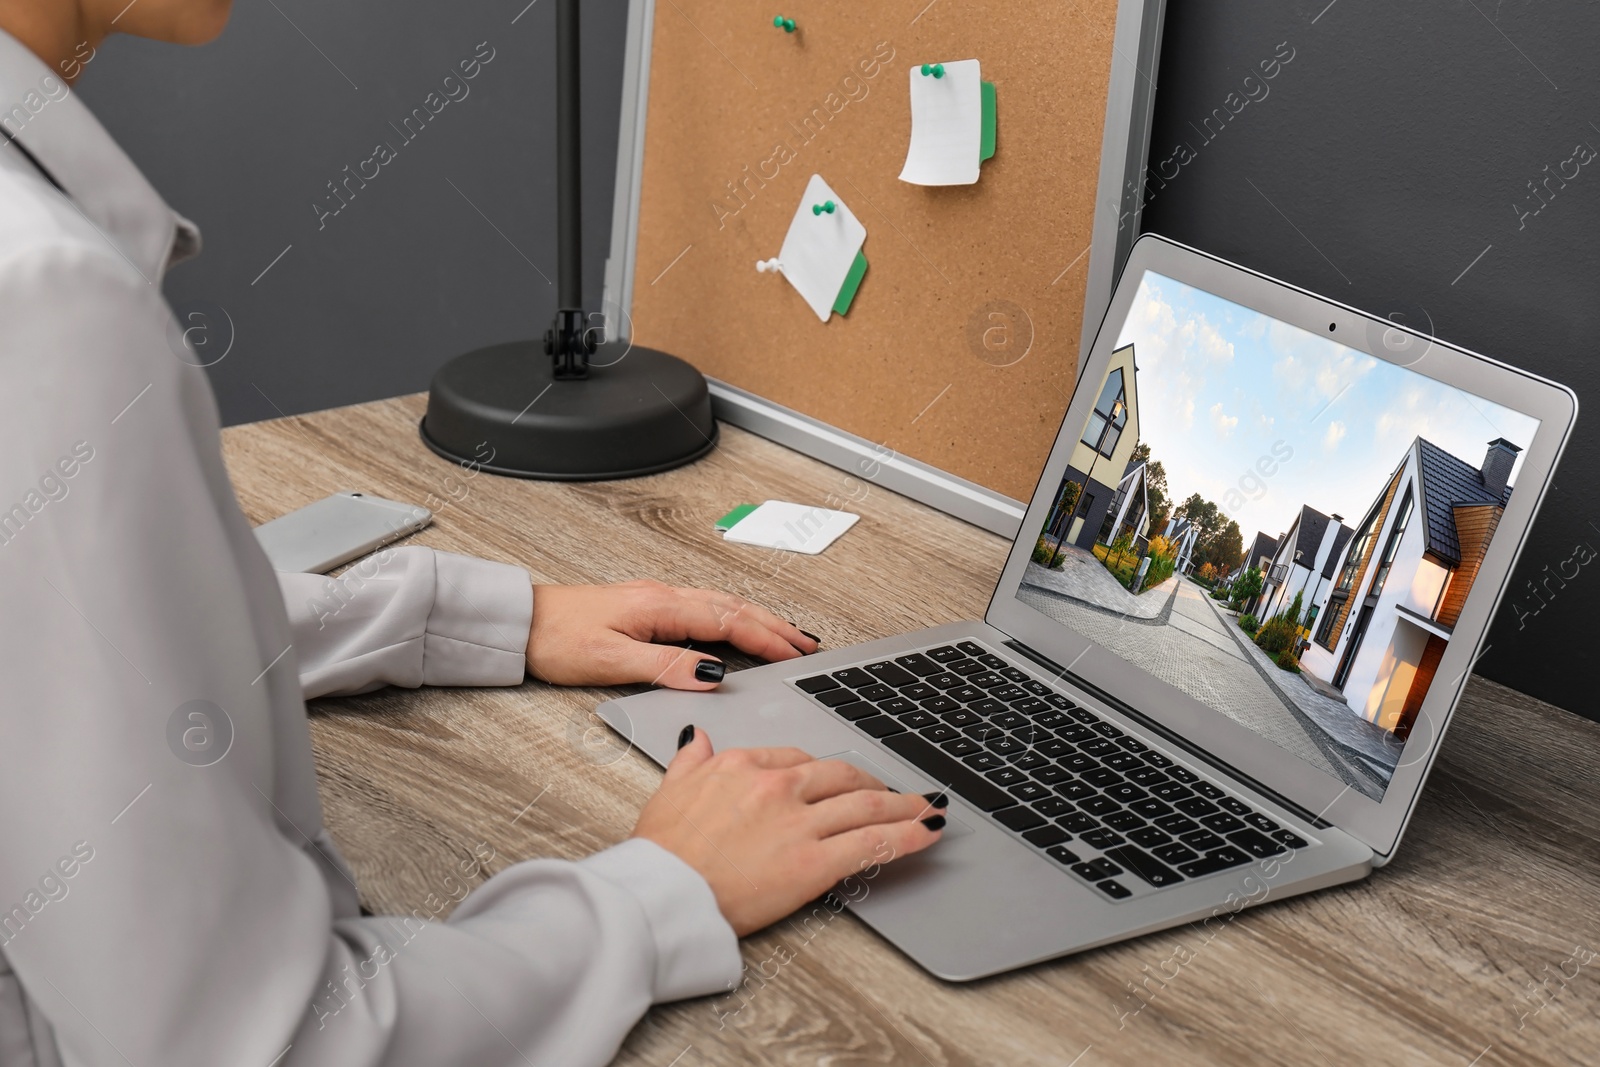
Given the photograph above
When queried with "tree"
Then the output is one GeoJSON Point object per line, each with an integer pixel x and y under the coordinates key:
{"type": "Point", "coordinates": [1247, 584]}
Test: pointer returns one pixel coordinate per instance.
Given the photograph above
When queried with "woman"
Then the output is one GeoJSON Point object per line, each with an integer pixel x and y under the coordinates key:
{"type": "Point", "coordinates": [157, 911]}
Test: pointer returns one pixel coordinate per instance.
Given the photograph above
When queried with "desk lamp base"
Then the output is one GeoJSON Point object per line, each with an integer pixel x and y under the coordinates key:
{"type": "Point", "coordinates": [501, 409]}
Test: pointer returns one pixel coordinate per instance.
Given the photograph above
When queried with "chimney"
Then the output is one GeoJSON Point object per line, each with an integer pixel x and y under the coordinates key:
{"type": "Point", "coordinates": [1338, 518]}
{"type": "Point", "coordinates": [1497, 464]}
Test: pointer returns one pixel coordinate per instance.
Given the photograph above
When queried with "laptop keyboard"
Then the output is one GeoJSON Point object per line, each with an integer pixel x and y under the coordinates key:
{"type": "Point", "coordinates": [1116, 813]}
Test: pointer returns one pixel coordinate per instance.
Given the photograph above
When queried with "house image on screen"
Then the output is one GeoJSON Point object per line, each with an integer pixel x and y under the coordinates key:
{"type": "Point", "coordinates": [1181, 534]}
{"type": "Point", "coordinates": [1110, 493]}
{"type": "Point", "coordinates": [1262, 549]}
{"type": "Point", "coordinates": [1405, 577]}
{"type": "Point", "coordinates": [1303, 562]}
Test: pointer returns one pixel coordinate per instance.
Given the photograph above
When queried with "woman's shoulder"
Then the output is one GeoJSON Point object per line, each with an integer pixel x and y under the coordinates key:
{"type": "Point", "coordinates": [38, 225]}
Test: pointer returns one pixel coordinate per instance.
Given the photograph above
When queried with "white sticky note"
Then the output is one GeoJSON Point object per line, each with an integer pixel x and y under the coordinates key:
{"type": "Point", "coordinates": [792, 527]}
{"type": "Point", "coordinates": [819, 250]}
{"type": "Point", "coordinates": [946, 125]}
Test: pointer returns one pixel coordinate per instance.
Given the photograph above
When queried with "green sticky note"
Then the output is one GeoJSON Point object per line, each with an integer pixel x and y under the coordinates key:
{"type": "Point", "coordinates": [852, 282]}
{"type": "Point", "coordinates": [728, 521]}
{"type": "Point", "coordinates": [986, 140]}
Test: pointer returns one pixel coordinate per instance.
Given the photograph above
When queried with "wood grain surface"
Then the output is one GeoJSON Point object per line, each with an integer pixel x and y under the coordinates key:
{"type": "Point", "coordinates": [974, 293]}
{"type": "Point", "coordinates": [1476, 946]}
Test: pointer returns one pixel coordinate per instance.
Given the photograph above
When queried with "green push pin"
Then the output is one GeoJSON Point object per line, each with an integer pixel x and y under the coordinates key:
{"type": "Point", "coordinates": [936, 69]}
{"type": "Point", "coordinates": [817, 209]}
{"type": "Point", "coordinates": [786, 25]}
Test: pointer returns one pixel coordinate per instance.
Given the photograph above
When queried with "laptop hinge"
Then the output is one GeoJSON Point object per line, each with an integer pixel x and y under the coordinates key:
{"type": "Point", "coordinates": [1177, 739]}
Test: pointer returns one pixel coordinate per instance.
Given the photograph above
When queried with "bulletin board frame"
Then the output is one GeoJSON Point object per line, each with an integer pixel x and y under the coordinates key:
{"type": "Point", "coordinates": [1123, 159]}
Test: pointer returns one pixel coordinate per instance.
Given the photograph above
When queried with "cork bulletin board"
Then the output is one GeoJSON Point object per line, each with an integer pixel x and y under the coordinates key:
{"type": "Point", "coordinates": [961, 345]}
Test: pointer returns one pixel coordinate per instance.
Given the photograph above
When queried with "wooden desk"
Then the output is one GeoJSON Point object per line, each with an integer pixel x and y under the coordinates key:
{"type": "Point", "coordinates": [1429, 961]}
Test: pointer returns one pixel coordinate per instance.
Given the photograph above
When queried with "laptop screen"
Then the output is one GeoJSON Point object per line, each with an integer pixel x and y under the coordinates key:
{"type": "Point", "coordinates": [1280, 526]}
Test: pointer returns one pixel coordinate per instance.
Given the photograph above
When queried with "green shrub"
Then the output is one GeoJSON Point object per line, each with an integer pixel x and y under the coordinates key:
{"type": "Point", "coordinates": [1276, 635]}
{"type": "Point", "coordinates": [1042, 552]}
{"type": "Point", "coordinates": [1287, 661]}
{"type": "Point", "coordinates": [1249, 624]}
{"type": "Point", "coordinates": [1161, 568]}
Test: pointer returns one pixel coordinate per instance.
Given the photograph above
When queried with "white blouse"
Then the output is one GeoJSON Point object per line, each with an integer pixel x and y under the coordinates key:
{"type": "Point", "coordinates": [168, 894]}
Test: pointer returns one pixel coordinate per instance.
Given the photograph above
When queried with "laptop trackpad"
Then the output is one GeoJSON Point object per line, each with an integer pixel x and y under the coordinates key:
{"type": "Point", "coordinates": [954, 827]}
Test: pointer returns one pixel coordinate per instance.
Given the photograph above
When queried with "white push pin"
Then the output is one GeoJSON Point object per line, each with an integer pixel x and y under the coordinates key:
{"type": "Point", "coordinates": [765, 265]}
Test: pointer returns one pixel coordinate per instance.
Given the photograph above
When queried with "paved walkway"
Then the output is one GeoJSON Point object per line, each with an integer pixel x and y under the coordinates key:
{"type": "Point", "coordinates": [1083, 577]}
{"type": "Point", "coordinates": [1194, 652]}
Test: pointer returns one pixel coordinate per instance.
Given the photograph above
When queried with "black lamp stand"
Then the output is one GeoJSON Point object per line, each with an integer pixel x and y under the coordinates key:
{"type": "Point", "coordinates": [571, 407]}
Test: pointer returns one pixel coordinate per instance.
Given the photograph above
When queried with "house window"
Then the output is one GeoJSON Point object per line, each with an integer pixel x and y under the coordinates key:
{"type": "Point", "coordinates": [1326, 630]}
{"type": "Point", "coordinates": [1110, 416]}
{"type": "Point", "coordinates": [1396, 531]}
{"type": "Point", "coordinates": [1311, 616]}
{"type": "Point", "coordinates": [1358, 552]}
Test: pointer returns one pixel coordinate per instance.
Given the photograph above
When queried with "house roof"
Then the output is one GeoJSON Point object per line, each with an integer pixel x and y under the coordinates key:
{"type": "Point", "coordinates": [1445, 482]}
{"type": "Point", "coordinates": [1262, 546]}
{"type": "Point", "coordinates": [1340, 539]}
{"type": "Point", "coordinates": [1313, 526]}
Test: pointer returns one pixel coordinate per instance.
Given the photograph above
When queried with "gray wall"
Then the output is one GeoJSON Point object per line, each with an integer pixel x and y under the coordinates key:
{"type": "Point", "coordinates": [243, 135]}
{"type": "Point", "coordinates": [1392, 150]}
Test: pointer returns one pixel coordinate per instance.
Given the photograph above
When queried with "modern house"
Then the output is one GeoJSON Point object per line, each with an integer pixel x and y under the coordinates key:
{"type": "Point", "coordinates": [1181, 534]}
{"type": "Point", "coordinates": [1262, 549]}
{"type": "Point", "coordinates": [1101, 463]}
{"type": "Point", "coordinates": [1404, 578]}
{"type": "Point", "coordinates": [1304, 554]}
{"type": "Point", "coordinates": [1129, 513]}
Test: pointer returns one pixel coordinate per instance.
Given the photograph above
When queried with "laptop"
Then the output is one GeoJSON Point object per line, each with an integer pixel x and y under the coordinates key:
{"type": "Point", "coordinates": [1225, 646]}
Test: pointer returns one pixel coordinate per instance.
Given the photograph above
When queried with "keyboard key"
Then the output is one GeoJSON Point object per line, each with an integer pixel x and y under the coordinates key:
{"type": "Point", "coordinates": [917, 664]}
{"type": "Point", "coordinates": [1101, 839]}
{"type": "Point", "coordinates": [919, 691]}
{"type": "Point", "coordinates": [1076, 821]}
{"type": "Point", "coordinates": [875, 692]}
{"type": "Point", "coordinates": [1124, 821]}
{"type": "Point", "coordinates": [1101, 777]}
{"type": "Point", "coordinates": [1028, 791]}
{"type": "Point", "coordinates": [1183, 774]}
{"type": "Point", "coordinates": [919, 719]}
{"type": "Point", "coordinates": [1144, 865]}
{"type": "Point", "coordinates": [984, 761]}
{"type": "Point", "coordinates": [1032, 735]}
{"type": "Point", "coordinates": [834, 697]}
{"type": "Point", "coordinates": [1019, 818]}
{"type": "Point", "coordinates": [1257, 844]}
{"type": "Point", "coordinates": [949, 772]}
{"type": "Point", "coordinates": [1045, 836]}
{"type": "Point", "coordinates": [854, 677]}
{"type": "Point", "coordinates": [1147, 776]}
{"type": "Point", "coordinates": [1171, 792]}
{"type": "Point", "coordinates": [1216, 860]}
{"type": "Point", "coordinates": [1061, 854]}
{"type": "Point", "coordinates": [1209, 791]}
{"type": "Point", "coordinates": [945, 680]}
{"type": "Point", "coordinates": [1260, 822]}
{"type": "Point", "coordinates": [986, 680]}
{"type": "Point", "coordinates": [817, 683]}
{"type": "Point", "coordinates": [1037, 688]}
{"type": "Point", "coordinates": [961, 746]}
{"type": "Point", "coordinates": [1176, 852]}
{"type": "Point", "coordinates": [965, 693]}
{"type": "Point", "coordinates": [1030, 761]}
{"type": "Point", "coordinates": [1075, 789]}
{"type": "Point", "coordinates": [945, 653]}
{"type": "Point", "coordinates": [1177, 824]}
{"type": "Point", "coordinates": [1029, 705]}
{"type": "Point", "coordinates": [1098, 805]}
{"type": "Point", "coordinates": [1074, 732]}
{"type": "Point", "coordinates": [898, 706]}
{"type": "Point", "coordinates": [1096, 869]}
{"type": "Point", "coordinates": [1133, 744]}
{"type": "Point", "coordinates": [1006, 776]}
{"type": "Point", "coordinates": [1060, 701]}
{"type": "Point", "coordinates": [1148, 837]}
{"type": "Point", "coordinates": [1288, 837]}
{"type": "Point", "coordinates": [1204, 840]}
{"type": "Point", "coordinates": [1222, 823]}
{"type": "Point", "coordinates": [1234, 806]}
{"type": "Point", "coordinates": [1007, 692]}
{"type": "Point", "coordinates": [1050, 774]}
{"type": "Point", "coordinates": [859, 709]}
{"type": "Point", "coordinates": [1078, 762]}
{"type": "Point", "coordinates": [1083, 715]}
{"type": "Point", "coordinates": [1004, 745]}
{"type": "Point", "coordinates": [1114, 889]}
{"type": "Point", "coordinates": [1117, 761]}
{"type": "Point", "coordinates": [890, 673]}
{"type": "Point", "coordinates": [1150, 808]}
{"type": "Point", "coordinates": [992, 661]}
{"type": "Point", "coordinates": [1053, 747]}
{"type": "Point", "coordinates": [966, 667]}
{"type": "Point", "coordinates": [1016, 674]}
{"type": "Point", "coordinates": [961, 717]}
{"type": "Point", "coordinates": [971, 648]}
{"type": "Point", "coordinates": [1098, 746]}
{"type": "Point", "coordinates": [880, 725]}
{"type": "Point", "coordinates": [1051, 719]}
{"type": "Point", "coordinates": [1195, 806]}
{"type": "Point", "coordinates": [1105, 729]}
{"type": "Point", "coordinates": [987, 706]}
{"type": "Point", "coordinates": [1051, 806]}
{"type": "Point", "coordinates": [1126, 792]}
{"type": "Point", "coordinates": [939, 703]}
{"type": "Point", "coordinates": [1157, 759]}
{"type": "Point", "coordinates": [939, 734]}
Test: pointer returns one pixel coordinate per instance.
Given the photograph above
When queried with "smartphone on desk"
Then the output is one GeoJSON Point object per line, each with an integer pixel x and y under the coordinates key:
{"type": "Point", "coordinates": [337, 529]}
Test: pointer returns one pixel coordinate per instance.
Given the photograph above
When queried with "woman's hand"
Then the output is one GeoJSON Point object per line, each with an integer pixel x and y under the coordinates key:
{"type": "Point", "coordinates": [606, 634]}
{"type": "Point", "coordinates": [771, 828]}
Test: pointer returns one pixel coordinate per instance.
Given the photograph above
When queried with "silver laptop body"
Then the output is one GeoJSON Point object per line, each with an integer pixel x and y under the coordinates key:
{"type": "Point", "coordinates": [1122, 761]}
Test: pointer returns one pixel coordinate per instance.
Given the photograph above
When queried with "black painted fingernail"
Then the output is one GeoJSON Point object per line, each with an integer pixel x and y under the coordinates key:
{"type": "Point", "coordinates": [686, 735]}
{"type": "Point", "coordinates": [934, 822]}
{"type": "Point", "coordinates": [938, 800]}
{"type": "Point", "coordinates": [710, 670]}
{"type": "Point", "coordinates": [813, 636]}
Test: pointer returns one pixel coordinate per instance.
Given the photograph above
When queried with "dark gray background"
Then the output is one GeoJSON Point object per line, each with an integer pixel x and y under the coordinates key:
{"type": "Point", "coordinates": [1385, 159]}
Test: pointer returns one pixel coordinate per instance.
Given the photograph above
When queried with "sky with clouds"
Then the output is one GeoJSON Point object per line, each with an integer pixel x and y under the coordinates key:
{"type": "Point", "coordinates": [1220, 384]}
